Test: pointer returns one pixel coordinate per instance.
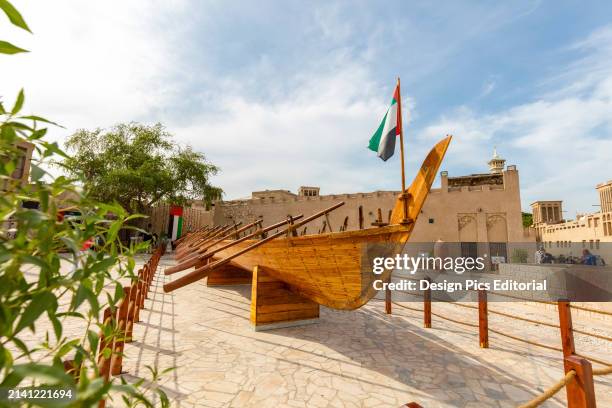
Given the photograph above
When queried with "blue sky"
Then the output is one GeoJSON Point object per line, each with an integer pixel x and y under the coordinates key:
{"type": "Point", "coordinates": [283, 94]}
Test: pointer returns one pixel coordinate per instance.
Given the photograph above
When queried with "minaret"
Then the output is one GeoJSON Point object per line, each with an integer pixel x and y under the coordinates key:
{"type": "Point", "coordinates": [496, 164]}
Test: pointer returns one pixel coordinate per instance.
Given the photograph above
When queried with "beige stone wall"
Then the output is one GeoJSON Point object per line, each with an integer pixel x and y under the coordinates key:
{"type": "Point", "coordinates": [479, 213]}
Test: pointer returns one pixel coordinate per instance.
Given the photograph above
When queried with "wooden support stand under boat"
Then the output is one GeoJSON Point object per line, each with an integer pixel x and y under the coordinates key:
{"type": "Point", "coordinates": [274, 305]}
{"type": "Point", "coordinates": [333, 269]}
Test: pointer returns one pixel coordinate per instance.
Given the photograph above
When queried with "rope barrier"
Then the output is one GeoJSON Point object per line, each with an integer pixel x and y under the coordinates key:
{"type": "Point", "coordinates": [599, 336]}
{"type": "Point", "coordinates": [438, 315]}
{"type": "Point", "coordinates": [549, 393]}
{"type": "Point", "coordinates": [453, 320]}
{"type": "Point", "coordinates": [409, 308]}
{"type": "Point", "coordinates": [546, 302]}
{"type": "Point", "coordinates": [603, 371]}
{"type": "Point", "coordinates": [491, 330]}
{"type": "Point", "coordinates": [524, 319]}
{"type": "Point", "coordinates": [588, 309]}
{"type": "Point", "coordinates": [533, 343]}
{"type": "Point", "coordinates": [603, 363]}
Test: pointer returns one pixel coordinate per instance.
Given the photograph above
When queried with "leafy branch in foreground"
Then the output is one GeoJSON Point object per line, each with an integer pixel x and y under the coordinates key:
{"type": "Point", "coordinates": [61, 263]}
{"type": "Point", "coordinates": [17, 20]}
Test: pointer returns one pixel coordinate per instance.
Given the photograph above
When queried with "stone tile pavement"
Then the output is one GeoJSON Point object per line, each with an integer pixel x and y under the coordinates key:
{"type": "Point", "coordinates": [361, 358]}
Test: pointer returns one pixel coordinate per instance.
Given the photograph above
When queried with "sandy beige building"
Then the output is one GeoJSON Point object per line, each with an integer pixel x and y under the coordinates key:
{"type": "Point", "coordinates": [475, 210]}
{"type": "Point", "coordinates": [570, 237]}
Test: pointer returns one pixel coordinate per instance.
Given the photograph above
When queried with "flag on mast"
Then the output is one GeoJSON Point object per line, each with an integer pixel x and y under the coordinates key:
{"type": "Point", "coordinates": [383, 141]}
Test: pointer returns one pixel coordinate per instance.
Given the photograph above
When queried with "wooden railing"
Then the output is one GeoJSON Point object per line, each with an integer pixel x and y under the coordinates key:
{"type": "Point", "coordinates": [578, 379]}
{"type": "Point", "coordinates": [122, 317]}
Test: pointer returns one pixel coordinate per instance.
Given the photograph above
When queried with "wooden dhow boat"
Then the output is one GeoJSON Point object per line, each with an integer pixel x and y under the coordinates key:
{"type": "Point", "coordinates": [292, 275]}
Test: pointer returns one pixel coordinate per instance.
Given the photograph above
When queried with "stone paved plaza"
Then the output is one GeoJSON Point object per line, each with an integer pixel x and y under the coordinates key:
{"type": "Point", "coordinates": [362, 358]}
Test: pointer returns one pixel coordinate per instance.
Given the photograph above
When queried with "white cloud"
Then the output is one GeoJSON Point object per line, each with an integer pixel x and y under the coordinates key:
{"type": "Point", "coordinates": [295, 141]}
{"type": "Point", "coordinates": [91, 63]}
{"type": "Point", "coordinates": [561, 141]}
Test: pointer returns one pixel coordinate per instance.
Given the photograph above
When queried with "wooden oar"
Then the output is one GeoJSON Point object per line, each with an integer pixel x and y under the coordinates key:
{"type": "Point", "coordinates": [181, 249]}
{"type": "Point", "coordinates": [219, 233]}
{"type": "Point", "coordinates": [193, 261]}
{"type": "Point", "coordinates": [190, 235]}
{"type": "Point", "coordinates": [204, 233]}
{"type": "Point", "coordinates": [205, 270]}
{"type": "Point", "coordinates": [227, 236]}
{"type": "Point", "coordinates": [185, 252]}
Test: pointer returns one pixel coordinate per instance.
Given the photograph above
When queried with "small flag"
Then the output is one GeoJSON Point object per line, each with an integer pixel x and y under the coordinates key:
{"type": "Point", "coordinates": [383, 141]}
{"type": "Point", "coordinates": [175, 227]}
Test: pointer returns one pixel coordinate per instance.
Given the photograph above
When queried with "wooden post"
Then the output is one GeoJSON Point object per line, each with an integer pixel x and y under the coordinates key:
{"type": "Point", "coordinates": [379, 220]}
{"type": "Point", "coordinates": [103, 362]}
{"type": "Point", "coordinates": [388, 297]}
{"type": "Point", "coordinates": [483, 319]}
{"type": "Point", "coordinates": [146, 271]}
{"type": "Point", "coordinates": [567, 330]}
{"type": "Point", "coordinates": [581, 390]}
{"type": "Point", "coordinates": [131, 313]}
{"type": "Point", "coordinates": [71, 369]}
{"type": "Point", "coordinates": [294, 232]}
{"type": "Point", "coordinates": [122, 313]}
{"type": "Point", "coordinates": [427, 307]}
{"type": "Point", "coordinates": [151, 274]}
{"type": "Point", "coordinates": [144, 288]}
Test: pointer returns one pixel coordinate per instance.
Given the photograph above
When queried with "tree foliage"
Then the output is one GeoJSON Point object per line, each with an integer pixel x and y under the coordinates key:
{"type": "Point", "coordinates": [138, 166]}
{"type": "Point", "coordinates": [527, 219]}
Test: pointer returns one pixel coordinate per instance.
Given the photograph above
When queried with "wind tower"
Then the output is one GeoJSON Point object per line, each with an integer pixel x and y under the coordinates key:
{"type": "Point", "coordinates": [497, 163]}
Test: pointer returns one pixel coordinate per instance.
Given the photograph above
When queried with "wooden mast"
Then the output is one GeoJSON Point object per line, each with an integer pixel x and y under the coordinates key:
{"type": "Point", "coordinates": [404, 195]}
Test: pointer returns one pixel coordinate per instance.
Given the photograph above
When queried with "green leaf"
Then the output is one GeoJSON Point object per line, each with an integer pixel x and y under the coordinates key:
{"type": "Point", "coordinates": [104, 265]}
{"type": "Point", "coordinates": [13, 15]}
{"type": "Point", "coordinates": [47, 374]}
{"type": "Point", "coordinates": [67, 348]}
{"type": "Point", "coordinates": [57, 325]}
{"type": "Point", "coordinates": [40, 303]}
{"type": "Point", "coordinates": [19, 102]}
{"type": "Point", "coordinates": [85, 293]}
{"type": "Point", "coordinates": [40, 119]}
{"type": "Point", "coordinates": [21, 346]}
{"type": "Point", "coordinates": [8, 48]}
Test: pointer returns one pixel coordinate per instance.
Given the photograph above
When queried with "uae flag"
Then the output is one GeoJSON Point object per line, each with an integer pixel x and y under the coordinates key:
{"type": "Point", "coordinates": [175, 222]}
{"type": "Point", "coordinates": [383, 141]}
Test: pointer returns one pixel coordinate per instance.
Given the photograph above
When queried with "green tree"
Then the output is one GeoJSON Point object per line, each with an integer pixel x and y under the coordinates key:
{"type": "Point", "coordinates": [527, 219]}
{"type": "Point", "coordinates": [138, 166]}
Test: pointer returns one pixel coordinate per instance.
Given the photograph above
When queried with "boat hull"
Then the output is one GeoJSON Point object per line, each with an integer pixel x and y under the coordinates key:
{"type": "Point", "coordinates": [334, 269]}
